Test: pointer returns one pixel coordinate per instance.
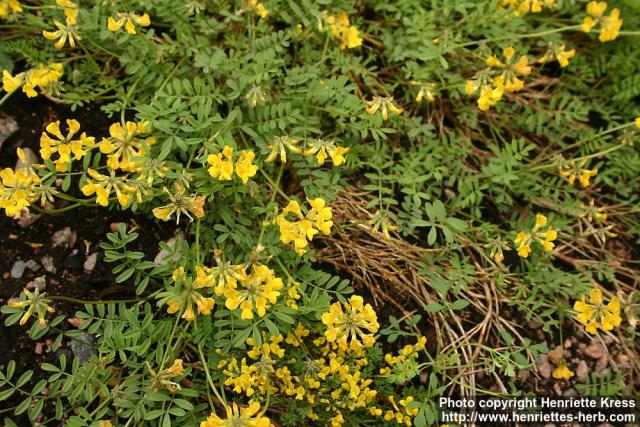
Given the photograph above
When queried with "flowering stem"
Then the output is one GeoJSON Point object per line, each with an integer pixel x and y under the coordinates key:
{"type": "Point", "coordinates": [275, 186]}
{"type": "Point", "coordinates": [521, 36]}
{"type": "Point", "coordinates": [205, 365]}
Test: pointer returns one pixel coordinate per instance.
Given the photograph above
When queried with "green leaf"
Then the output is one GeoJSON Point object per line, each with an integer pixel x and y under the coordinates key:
{"type": "Point", "coordinates": [460, 304]}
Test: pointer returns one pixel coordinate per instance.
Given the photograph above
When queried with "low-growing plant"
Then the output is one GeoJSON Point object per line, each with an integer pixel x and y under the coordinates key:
{"type": "Point", "coordinates": [467, 163]}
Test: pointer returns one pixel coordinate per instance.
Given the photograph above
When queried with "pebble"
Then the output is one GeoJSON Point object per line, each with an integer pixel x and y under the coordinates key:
{"type": "Point", "coordinates": [6, 275]}
{"type": "Point", "coordinates": [595, 350]}
{"type": "Point", "coordinates": [47, 263]}
{"type": "Point", "coordinates": [65, 237]}
{"type": "Point", "coordinates": [556, 355]}
{"type": "Point", "coordinates": [38, 349]}
{"type": "Point", "coordinates": [623, 362]}
{"type": "Point", "coordinates": [13, 237]}
{"type": "Point", "coordinates": [90, 262]}
{"type": "Point", "coordinates": [542, 362]}
{"type": "Point", "coordinates": [75, 321]}
{"type": "Point", "coordinates": [582, 371]}
{"type": "Point", "coordinates": [82, 346]}
{"type": "Point", "coordinates": [17, 270]}
{"type": "Point", "coordinates": [32, 265]}
{"type": "Point", "coordinates": [115, 226]}
{"type": "Point", "coordinates": [8, 126]}
{"type": "Point", "coordinates": [161, 258]}
{"type": "Point", "coordinates": [39, 283]}
{"type": "Point", "coordinates": [27, 220]}
{"type": "Point", "coordinates": [602, 363]}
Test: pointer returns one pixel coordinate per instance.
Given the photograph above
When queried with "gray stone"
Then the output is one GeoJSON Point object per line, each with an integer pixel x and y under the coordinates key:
{"type": "Point", "coordinates": [25, 221]}
{"type": "Point", "coordinates": [582, 371]}
{"type": "Point", "coordinates": [65, 237]}
{"type": "Point", "coordinates": [47, 263]}
{"type": "Point", "coordinates": [32, 265]}
{"type": "Point", "coordinates": [8, 126]}
{"type": "Point", "coordinates": [543, 365]}
{"type": "Point", "coordinates": [39, 283]}
{"type": "Point", "coordinates": [82, 347]}
{"type": "Point", "coordinates": [17, 270]}
{"type": "Point", "coordinates": [90, 262]}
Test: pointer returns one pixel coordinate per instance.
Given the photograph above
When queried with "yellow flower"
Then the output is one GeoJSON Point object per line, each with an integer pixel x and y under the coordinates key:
{"type": "Point", "coordinates": [176, 368]}
{"type": "Point", "coordinates": [280, 146]}
{"type": "Point", "coordinates": [559, 53]}
{"type": "Point", "coordinates": [65, 32]}
{"type": "Point", "coordinates": [609, 25]}
{"type": "Point", "coordinates": [426, 92]}
{"type": "Point", "coordinates": [239, 417]}
{"type": "Point", "coordinates": [245, 168]}
{"type": "Point", "coordinates": [489, 95]}
{"type": "Point", "coordinates": [383, 104]}
{"type": "Point", "coordinates": [525, 6]}
{"type": "Point", "coordinates": [351, 323]}
{"type": "Point", "coordinates": [562, 372]}
{"type": "Point", "coordinates": [36, 303]}
{"type": "Point", "coordinates": [124, 148]}
{"type": "Point", "coordinates": [257, 7]}
{"type": "Point", "coordinates": [180, 204]}
{"type": "Point", "coordinates": [637, 122]}
{"type": "Point", "coordinates": [17, 190]}
{"type": "Point", "coordinates": [221, 164]}
{"type": "Point", "coordinates": [190, 295]}
{"type": "Point", "coordinates": [41, 77]}
{"type": "Point", "coordinates": [301, 230]}
{"type": "Point", "coordinates": [53, 142]}
{"type": "Point", "coordinates": [8, 7]}
{"type": "Point", "coordinates": [510, 70]}
{"type": "Point", "coordinates": [128, 20]}
{"type": "Point", "coordinates": [103, 185]}
{"type": "Point", "coordinates": [571, 169]}
{"type": "Point", "coordinates": [254, 292]}
{"type": "Point", "coordinates": [340, 28]}
{"type": "Point", "coordinates": [322, 148]}
{"type": "Point", "coordinates": [595, 314]}
{"type": "Point", "coordinates": [320, 214]}
{"type": "Point", "coordinates": [524, 239]}
{"type": "Point", "coordinates": [11, 83]}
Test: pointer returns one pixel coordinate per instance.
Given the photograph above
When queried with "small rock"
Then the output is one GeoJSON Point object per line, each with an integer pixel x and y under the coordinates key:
{"type": "Point", "coordinates": [8, 126]}
{"type": "Point", "coordinates": [32, 265]}
{"type": "Point", "coordinates": [90, 262]}
{"type": "Point", "coordinates": [582, 371]}
{"type": "Point", "coordinates": [623, 362]}
{"type": "Point", "coordinates": [523, 375]}
{"type": "Point", "coordinates": [39, 283]}
{"type": "Point", "coordinates": [534, 324]}
{"type": "Point", "coordinates": [38, 348]}
{"type": "Point", "coordinates": [6, 275]}
{"type": "Point", "coordinates": [17, 270]}
{"type": "Point", "coordinates": [542, 363]}
{"type": "Point", "coordinates": [601, 364]}
{"type": "Point", "coordinates": [595, 350]}
{"type": "Point", "coordinates": [75, 321]}
{"type": "Point", "coordinates": [162, 256]}
{"type": "Point", "coordinates": [556, 355]}
{"type": "Point", "coordinates": [65, 237]}
{"type": "Point", "coordinates": [568, 343]}
{"type": "Point", "coordinates": [82, 347]}
{"type": "Point", "coordinates": [115, 226]}
{"type": "Point", "coordinates": [608, 339]}
{"type": "Point", "coordinates": [27, 220]}
{"type": "Point", "coordinates": [570, 392]}
{"type": "Point", "coordinates": [13, 237]}
{"type": "Point", "coordinates": [47, 263]}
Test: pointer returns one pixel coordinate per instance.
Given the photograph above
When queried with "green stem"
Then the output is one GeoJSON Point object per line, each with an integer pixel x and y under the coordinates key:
{"type": "Point", "coordinates": [520, 36]}
{"type": "Point", "coordinates": [205, 365]}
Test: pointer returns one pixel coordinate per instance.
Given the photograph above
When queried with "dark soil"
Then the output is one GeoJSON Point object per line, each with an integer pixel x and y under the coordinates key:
{"type": "Point", "coordinates": [33, 244]}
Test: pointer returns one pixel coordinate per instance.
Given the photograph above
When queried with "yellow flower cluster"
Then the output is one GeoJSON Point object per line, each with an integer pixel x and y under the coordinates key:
{"type": "Point", "coordinates": [67, 31]}
{"type": "Point", "coordinates": [124, 147]}
{"type": "Point", "coordinates": [402, 412]}
{"type": "Point", "coordinates": [521, 7]}
{"type": "Point", "coordinates": [40, 77]}
{"type": "Point", "coordinates": [595, 314]}
{"type": "Point", "coordinates": [427, 91]}
{"type": "Point", "coordinates": [351, 324]}
{"type": "Point", "coordinates": [384, 104]}
{"type": "Point", "coordinates": [166, 377]}
{"type": "Point", "coordinates": [257, 7]}
{"type": "Point", "coordinates": [571, 170]}
{"type": "Point", "coordinates": [222, 165]}
{"type": "Point", "coordinates": [347, 34]}
{"type": "Point", "coordinates": [52, 141]}
{"type": "Point", "coordinates": [180, 204]}
{"type": "Point", "coordinates": [9, 7]}
{"type": "Point", "coordinates": [562, 372]}
{"type": "Point", "coordinates": [300, 229]}
{"type": "Point", "coordinates": [253, 292]}
{"type": "Point", "coordinates": [559, 53]}
{"type": "Point", "coordinates": [239, 417]}
{"type": "Point", "coordinates": [37, 304]}
{"type": "Point", "coordinates": [404, 366]}
{"type": "Point", "coordinates": [322, 149]}
{"type": "Point", "coordinates": [103, 185]}
{"type": "Point", "coordinates": [545, 238]}
{"type": "Point", "coordinates": [128, 20]}
{"type": "Point", "coordinates": [609, 25]}
{"type": "Point", "coordinates": [18, 188]}
{"type": "Point", "coordinates": [184, 300]}
{"type": "Point", "coordinates": [280, 146]}
{"type": "Point", "coordinates": [498, 78]}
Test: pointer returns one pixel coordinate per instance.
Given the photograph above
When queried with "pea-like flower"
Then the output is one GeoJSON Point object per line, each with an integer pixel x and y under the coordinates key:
{"type": "Point", "coordinates": [609, 25]}
{"type": "Point", "coordinates": [187, 292]}
{"type": "Point", "coordinates": [129, 21]}
{"type": "Point", "coordinates": [299, 229]}
{"type": "Point", "coordinates": [323, 149]}
{"type": "Point", "coordinates": [348, 35]}
{"type": "Point", "coordinates": [254, 293]}
{"type": "Point", "coordinates": [9, 7]}
{"type": "Point", "coordinates": [571, 170]}
{"type": "Point", "coordinates": [222, 165]}
{"type": "Point", "coordinates": [248, 416]}
{"type": "Point", "coordinates": [384, 104]}
{"type": "Point", "coordinates": [18, 188]}
{"type": "Point", "coordinates": [40, 77]}
{"type": "Point", "coordinates": [103, 185]}
{"type": "Point", "coordinates": [351, 324]}
{"type": "Point", "coordinates": [125, 148]}
{"type": "Point", "coordinates": [562, 372]}
{"type": "Point", "coordinates": [524, 239]}
{"type": "Point", "coordinates": [559, 53]}
{"type": "Point", "coordinates": [180, 204]}
{"type": "Point", "coordinates": [36, 303]}
{"type": "Point", "coordinates": [280, 146]}
{"type": "Point", "coordinates": [52, 141]}
{"type": "Point", "coordinates": [66, 32]}
{"type": "Point", "coordinates": [595, 314]}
